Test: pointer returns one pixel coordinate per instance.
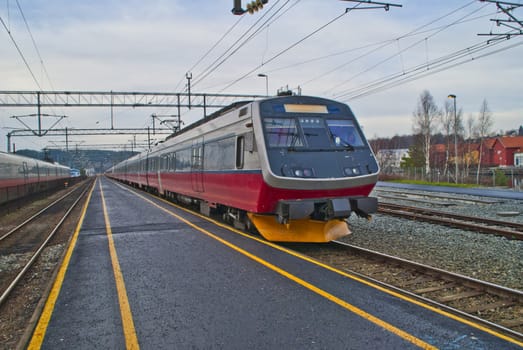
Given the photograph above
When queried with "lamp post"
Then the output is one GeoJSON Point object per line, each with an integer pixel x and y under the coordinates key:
{"type": "Point", "coordinates": [266, 82]}
{"type": "Point", "coordinates": [455, 137]}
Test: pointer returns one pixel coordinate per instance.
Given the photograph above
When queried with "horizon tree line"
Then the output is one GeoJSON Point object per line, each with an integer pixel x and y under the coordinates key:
{"type": "Point", "coordinates": [445, 126]}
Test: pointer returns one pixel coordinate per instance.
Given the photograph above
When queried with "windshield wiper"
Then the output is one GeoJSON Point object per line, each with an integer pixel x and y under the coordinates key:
{"type": "Point", "coordinates": [344, 143]}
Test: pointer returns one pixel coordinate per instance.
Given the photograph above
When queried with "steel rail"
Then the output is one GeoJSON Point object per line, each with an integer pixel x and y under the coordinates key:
{"type": "Point", "coordinates": [28, 220]}
{"type": "Point", "coordinates": [469, 223]}
{"type": "Point", "coordinates": [22, 272]}
{"type": "Point", "coordinates": [505, 293]}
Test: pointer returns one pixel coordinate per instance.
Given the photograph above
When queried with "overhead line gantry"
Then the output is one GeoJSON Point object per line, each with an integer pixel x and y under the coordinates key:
{"type": "Point", "coordinates": [110, 99]}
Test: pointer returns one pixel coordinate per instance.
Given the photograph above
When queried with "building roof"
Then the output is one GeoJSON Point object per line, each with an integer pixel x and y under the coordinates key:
{"type": "Point", "coordinates": [511, 141]}
{"type": "Point", "coordinates": [489, 143]}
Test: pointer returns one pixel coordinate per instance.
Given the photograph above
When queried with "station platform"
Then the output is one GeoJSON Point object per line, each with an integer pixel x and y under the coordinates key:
{"type": "Point", "coordinates": [142, 273]}
{"type": "Point", "coordinates": [477, 191]}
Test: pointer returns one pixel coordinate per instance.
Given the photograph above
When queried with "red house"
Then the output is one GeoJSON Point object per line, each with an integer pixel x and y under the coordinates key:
{"type": "Point", "coordinates": [499, 151]}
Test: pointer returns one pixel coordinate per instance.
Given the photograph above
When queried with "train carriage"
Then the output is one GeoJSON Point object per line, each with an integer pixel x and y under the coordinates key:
{"type": "Point", "coordinates": [295, 167]}
{"type": "Point", "coordinates": [20, 176]}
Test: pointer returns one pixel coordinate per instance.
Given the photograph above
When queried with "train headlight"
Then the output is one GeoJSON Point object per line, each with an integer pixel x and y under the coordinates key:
{"type": "Point", "coordinates": [303, 172]}
{"type": "Point", "coordinates": [352, 171]}
{"type": "Point", "coordinates": [298, 172]}
{"type": "Point", "coordinates": [308, 172]}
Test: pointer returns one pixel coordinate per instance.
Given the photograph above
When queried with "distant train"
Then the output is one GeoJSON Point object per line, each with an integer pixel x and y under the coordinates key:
{"type": "Point", "coordinates": [20, 176]}
{"type": "Point", "coordinates": [294, 167]}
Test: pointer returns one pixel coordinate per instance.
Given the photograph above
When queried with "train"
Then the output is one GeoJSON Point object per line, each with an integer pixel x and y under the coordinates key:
{"type": "Point", "coordinates": [293, 168]}
{"type": "Point", "coordinates": [21, 176]}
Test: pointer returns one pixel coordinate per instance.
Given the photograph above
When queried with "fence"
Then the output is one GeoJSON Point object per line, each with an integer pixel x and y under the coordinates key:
{"type": "Point", "coordinates": [504, 177]}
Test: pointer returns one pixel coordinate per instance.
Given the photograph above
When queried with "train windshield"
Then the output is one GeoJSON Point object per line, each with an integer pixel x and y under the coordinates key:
{"type": "Point", "coordinates": [282, 132]}
{"type": "Point", "coordinates": [344, 133]}
{"type": "Point", "coordinates": [313, 133]}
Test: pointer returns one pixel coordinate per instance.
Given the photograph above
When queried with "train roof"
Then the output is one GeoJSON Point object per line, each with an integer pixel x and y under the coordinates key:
{"type": "Point", "coordinates": [212, 116]}
{"type": "Point", "coordinates": [17, 157]}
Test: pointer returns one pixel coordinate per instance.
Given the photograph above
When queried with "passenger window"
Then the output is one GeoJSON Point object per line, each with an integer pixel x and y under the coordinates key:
{"type": "Point", "coordinates": [240, 146]}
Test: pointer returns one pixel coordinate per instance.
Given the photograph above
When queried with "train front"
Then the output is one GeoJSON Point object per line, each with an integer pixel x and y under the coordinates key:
{"type": "Point", "coordinates": [317, 167]}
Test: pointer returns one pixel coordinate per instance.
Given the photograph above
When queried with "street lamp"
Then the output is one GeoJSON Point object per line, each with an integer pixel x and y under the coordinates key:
{"type": "Point", "coordinates": [261, 75]}
{"type": "Point", "coordinates": [455, 136]}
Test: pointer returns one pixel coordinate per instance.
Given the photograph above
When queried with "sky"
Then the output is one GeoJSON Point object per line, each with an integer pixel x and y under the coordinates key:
{"type": "Point", "coordinates": [376, 61]}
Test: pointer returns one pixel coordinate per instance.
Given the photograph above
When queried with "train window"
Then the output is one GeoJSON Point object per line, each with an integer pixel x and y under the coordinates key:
{"type": "Point", "coordinates": [240, 147]}
{"type": "Point", "coordinates": [315, 132]}
{"type": "Point", "coordinates": [183, 159]}
{"type": "Point", "coordinates": [282, 132]}
{"type": "Point", "coordinates": [344, 133]}
{"type": "Point", "coordinates": [172, 166]}
{"type": "Point", "coordinates": [197, 158]}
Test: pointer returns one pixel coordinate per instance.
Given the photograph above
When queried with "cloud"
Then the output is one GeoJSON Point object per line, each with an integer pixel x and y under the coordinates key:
{"type": "Point", "coordinates": [149, 46]}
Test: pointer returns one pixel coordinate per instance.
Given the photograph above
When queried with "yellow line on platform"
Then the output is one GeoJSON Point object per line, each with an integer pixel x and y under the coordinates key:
{"type": "Point", "coordinates": [41, 328]}
{"type": "Point", "coordinates": [131, 340]}
{"type": "Point", "coordinates": [354, 277]}
{"type": "Point", "coordinates": [387, 326]}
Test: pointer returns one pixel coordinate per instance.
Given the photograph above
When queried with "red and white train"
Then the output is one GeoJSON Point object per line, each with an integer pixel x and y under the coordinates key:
{"type": "Point", "coordinates": [295, 167]}
{"type": "Point", "coordinates": [20, 176]}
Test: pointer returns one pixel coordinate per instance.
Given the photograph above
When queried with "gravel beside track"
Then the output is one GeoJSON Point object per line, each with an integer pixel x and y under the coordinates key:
{"type": "Point", "coordinates": [486, 257]}
{"type": "Point", "coordinates": [16, 312]}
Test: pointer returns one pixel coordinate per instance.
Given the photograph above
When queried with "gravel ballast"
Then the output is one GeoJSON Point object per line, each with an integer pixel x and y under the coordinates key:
{"type": "Point", "coordinates": [486, 257]}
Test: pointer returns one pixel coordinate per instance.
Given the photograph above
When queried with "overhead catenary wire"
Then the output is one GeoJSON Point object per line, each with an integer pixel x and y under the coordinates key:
{"type": "Point", "coordinates": [239, 43]}
{"type": "Point", "coordinates": [256, 28]}
{"type": "Point", "coordinates": [217, 63]}
{"type": "Point", "coordinates": [288, 48]}
{"type": "Point", "coordinates": [227, 32]}
{"type": "Point", "coordinates": [441, 64]}
{"type": "Point", "coordinates": [434, 32]}
{"type": "Point", "coordinates": [34, 44]}
{"type": "Point", "coordinates": [20, 53]}
{"type": "Point", "coordinates": [41, 60]}
{"type": "Point", "coordinates": [373, 46]}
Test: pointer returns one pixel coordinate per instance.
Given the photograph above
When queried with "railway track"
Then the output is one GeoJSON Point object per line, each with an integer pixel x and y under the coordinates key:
{"type": "Point", "coordinates": [507, 229]}
{"type": "Point", "coordinates": [495, 307]}
{"type": "Point", "coordinates": [24, 243]}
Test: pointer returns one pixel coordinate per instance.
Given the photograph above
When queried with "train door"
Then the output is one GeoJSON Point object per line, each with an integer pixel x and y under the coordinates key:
{"type": "Point", "coordinates": [197, 166]}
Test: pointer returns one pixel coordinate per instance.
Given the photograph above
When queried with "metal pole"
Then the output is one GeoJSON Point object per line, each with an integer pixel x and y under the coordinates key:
{"type": "Point", "coordinates": [204, 107]}
{"type": "Point", "coordinates": [154, 126]}
{"type": "Point", "coordinates": [456, 138]}
{"type": "Point", "coordinates": [148, 138]}
{"type": "Point", "coordinates": [179, 111]}
{"type": "Point", "coordinates": [261, 75]}
{"type": "Point", "coordinates": [188, 75]}
{"type": "Point", "coordinates": [39, 114]}
{"type": "Point", "coordinates": [112, 102]}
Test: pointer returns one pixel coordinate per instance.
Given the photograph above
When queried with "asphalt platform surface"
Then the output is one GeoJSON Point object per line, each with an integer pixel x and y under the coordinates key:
{"type": "Point", "coordinates": [192, 284]}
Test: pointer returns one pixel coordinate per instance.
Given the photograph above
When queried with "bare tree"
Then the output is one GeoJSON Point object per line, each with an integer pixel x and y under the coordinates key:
{"type": "Point", "coordinates": [470, 132]}
{"type": "Point", "coordinates": [457, 130]}
{"type": "Point", "coordinates": [446, 119]}
{"type": "Point", "coordinates": [425, 117]}
{"type": "Point", "coordinates": [484, 126]}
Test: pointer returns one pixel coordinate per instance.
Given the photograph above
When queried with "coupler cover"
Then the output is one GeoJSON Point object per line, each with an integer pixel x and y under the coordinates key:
{"type": "Point", "coordinates": [364, 206]}
{"type": "Point", "coordinates": [325, 208]}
